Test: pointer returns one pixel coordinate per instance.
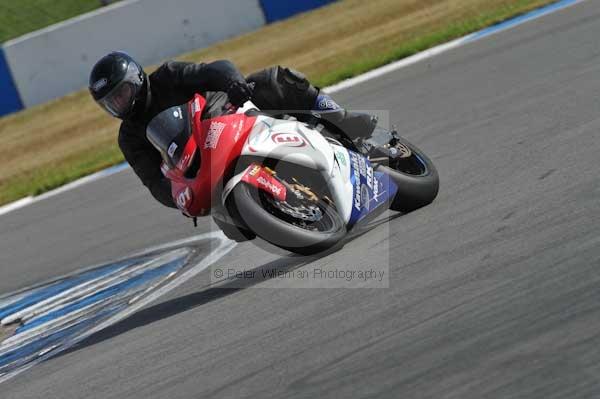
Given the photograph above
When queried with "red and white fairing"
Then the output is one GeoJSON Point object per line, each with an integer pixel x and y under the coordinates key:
{"type": "Point", "coordinates": [296, 143]}
{"type": "Point", "coordinates": [222, 140]}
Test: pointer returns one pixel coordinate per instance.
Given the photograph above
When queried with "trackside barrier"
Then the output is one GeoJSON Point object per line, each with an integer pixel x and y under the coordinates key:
{"type": "Point", "coordinates": [9, 96]}
{"type": "Point", "coordinates": [55, 61]}
{"type": "Point", "coordinates": [276, 10]}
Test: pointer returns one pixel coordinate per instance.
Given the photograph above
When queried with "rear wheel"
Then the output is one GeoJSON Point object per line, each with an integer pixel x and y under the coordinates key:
{"type": "Point", "coordinates": [414, 174]}
{"type": "Point", "coordinates": [304, 223]}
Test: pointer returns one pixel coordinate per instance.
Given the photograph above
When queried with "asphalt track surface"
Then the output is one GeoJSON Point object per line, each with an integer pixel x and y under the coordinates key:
{"type": "Point", "coordinates": [494, 289]}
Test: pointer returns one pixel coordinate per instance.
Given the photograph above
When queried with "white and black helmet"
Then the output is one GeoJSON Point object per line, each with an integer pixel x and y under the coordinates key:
{"type": "Point", "coordinates": [117, 84]}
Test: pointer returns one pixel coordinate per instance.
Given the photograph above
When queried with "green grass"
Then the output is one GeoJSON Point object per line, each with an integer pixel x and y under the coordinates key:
{"type": "Point", "coordinates": [71, 137]}
{"type": "Point", "coordinates": [18, 17]}
{"type": "Point", "coordinates": [42, 180]}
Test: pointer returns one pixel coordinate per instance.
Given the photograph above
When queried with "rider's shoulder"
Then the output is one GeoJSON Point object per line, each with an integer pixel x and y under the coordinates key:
{"type": "Point", "coordinates": [169, 67]}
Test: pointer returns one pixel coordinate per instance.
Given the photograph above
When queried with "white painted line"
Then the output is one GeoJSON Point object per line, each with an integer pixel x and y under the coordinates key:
{"type": "Point", "coordinates": [67, 187]}
{"type": "Point", "coordinates": [80, 182]}
{"type": "Point", "coordinates": [223, 248]}
{"type": "Point", "coordinates": [520, 19]}
{"type": "Point", "coordinates": [403, 63]}
{"type": "Point", "coordinates": [61, 301]}
{"type": "Point", "coordinates": [87, 289]}
{"type": "Point", "coordinates": [15, 341]}
{"type": "Point", "coordinates": [346, 84]}
{"type": "Point", "coordinates": [16, 205]}
{"type": "Point", "coordinates": [150, 288]}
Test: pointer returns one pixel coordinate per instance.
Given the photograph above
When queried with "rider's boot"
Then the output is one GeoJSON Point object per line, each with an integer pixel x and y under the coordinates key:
{"type": "Point", "coordinates": [358, 127]}
{"type": "Point", "coordinates": [353, 125]}
{"type": "Point", "coordinates": [280, 88]}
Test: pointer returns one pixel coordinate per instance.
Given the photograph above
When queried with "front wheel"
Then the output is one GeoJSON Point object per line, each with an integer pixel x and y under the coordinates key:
{"type": "Point", "coordinates": [414, 174]}
{"type": "Point", "coordinates": [302, 225]}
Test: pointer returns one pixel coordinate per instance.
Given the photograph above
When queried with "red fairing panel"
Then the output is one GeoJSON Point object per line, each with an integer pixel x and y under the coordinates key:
{"type": "Point", "coordinates": [260, 178]}
{"type": "Point", "coordinates": [220, 141]}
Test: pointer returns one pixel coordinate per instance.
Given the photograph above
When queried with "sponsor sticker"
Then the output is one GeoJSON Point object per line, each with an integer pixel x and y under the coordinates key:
{"type": "Point", "coordinates": [324, 103]}
{"type": "Point", "coordinates": [99, 84]}
{"type": "Point", "coordinates": [172, 149]}
{"type": "Point", "coordinates": [259, 178]}
{"type": "Point", "coordinates": [356, 176]}
{"type": "Point", "coordinates": [238, 126]}
{"type": "Point", "coordinates": [254, 171]}
{"type": "Point", "coordinates": [269, 186]}
{"type": "Point", "coordinates": [184, 199]}
{"type": "Point", "coordinates": [365, 201]}
{"type": "Point", "coordinates": [196, 106]}
{"type": "Point", "coordinates": [341, 157]}
{"type": "Point", "coordinates": [376, 191]}
{"type": "Point", "coordinates": [362, 164]}
{"type": "Point", "coordinates": [357, 200]}
{"type": "Point", "coordinates": [370, 191]}
{"type": "Point", "coordinates": [328, 104]}
{"type": "Point", "coordinates": [370, 177]}
{"type": "Point", "coordinates": [214, 133]}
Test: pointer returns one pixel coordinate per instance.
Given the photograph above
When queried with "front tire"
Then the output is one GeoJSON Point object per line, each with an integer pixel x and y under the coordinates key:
{"type": "Point", "coordinates": [281, 233]}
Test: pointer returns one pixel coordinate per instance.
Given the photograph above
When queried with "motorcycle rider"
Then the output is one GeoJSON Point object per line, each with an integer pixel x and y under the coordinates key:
{"type": "Point", "coordinates": [121, 87]}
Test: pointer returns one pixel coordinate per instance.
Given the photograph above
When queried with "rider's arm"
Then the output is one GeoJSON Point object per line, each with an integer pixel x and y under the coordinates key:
{"type": "Point", "coordinates": [145, 161]}
{"type": "Point", "coordinates": [214, 76]}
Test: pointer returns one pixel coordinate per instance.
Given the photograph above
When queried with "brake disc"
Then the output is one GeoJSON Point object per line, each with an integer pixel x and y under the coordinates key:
{"type": "Point", "coordinates": [310, 214]}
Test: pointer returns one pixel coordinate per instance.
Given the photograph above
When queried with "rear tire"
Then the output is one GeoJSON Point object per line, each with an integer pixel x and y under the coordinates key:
{"type": "Point", "coordinates": [414, 190]}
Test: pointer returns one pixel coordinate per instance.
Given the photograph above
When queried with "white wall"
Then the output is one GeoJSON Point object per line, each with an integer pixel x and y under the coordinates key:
{"type": "Point", "coordinates": [55, 61]}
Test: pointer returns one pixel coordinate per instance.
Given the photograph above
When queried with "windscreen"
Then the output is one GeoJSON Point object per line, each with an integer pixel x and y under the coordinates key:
{"type": "Point", "coordinates": [169, 132]}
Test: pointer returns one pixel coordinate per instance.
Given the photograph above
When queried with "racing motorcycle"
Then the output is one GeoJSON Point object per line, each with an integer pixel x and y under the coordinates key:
{"type": "Point", "coordinates": [299, 184]}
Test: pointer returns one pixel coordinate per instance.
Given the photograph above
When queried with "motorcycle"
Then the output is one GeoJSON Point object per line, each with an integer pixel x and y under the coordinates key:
{"type": "Point", "coordinates": [298, 184]}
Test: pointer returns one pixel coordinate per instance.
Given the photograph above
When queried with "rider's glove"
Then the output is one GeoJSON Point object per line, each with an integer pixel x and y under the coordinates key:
{"type": "Point", "coordinates": [239, 93]}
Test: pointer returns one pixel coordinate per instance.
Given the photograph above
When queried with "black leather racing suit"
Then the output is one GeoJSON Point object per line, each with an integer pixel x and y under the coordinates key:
{"type": "Point", "coordinates": [175, 83]}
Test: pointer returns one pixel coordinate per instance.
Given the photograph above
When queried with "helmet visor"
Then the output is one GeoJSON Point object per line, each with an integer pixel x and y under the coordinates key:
{"type": "Point", "coordinates": [119, 101]}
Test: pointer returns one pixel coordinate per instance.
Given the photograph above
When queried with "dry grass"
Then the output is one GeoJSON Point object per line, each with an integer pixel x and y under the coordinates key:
{"type": "Point", "coordinates": [352, 31]}
{"type": "Point", "coordinates": [48, 145]}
